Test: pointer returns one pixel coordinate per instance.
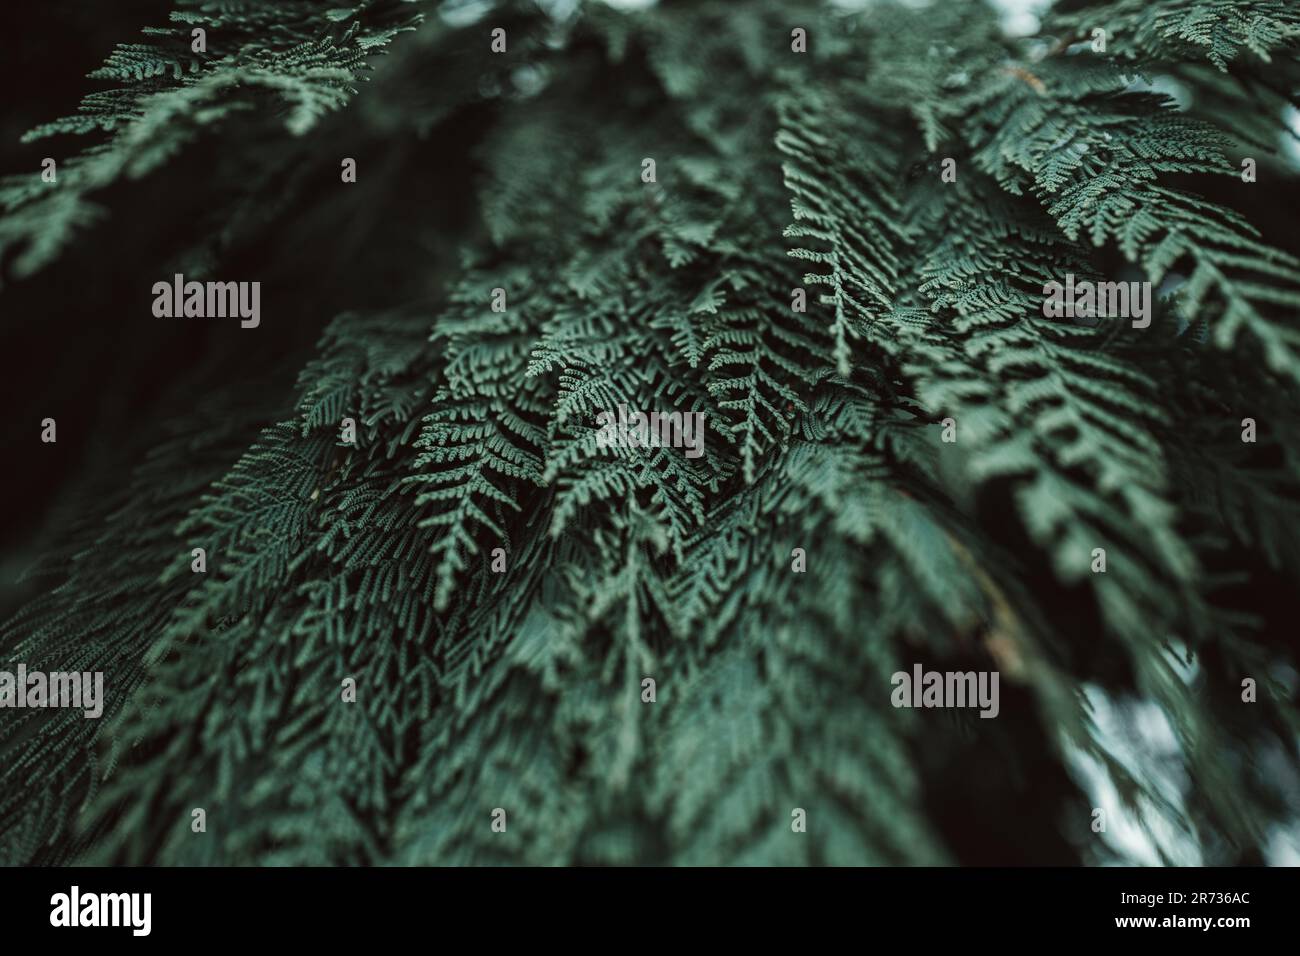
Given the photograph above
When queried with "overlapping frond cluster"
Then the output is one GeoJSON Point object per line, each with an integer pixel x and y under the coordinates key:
{"type": "Point", "coordinates": [499, 583]}
{"type": "Point", "coordinates": [297, 61]}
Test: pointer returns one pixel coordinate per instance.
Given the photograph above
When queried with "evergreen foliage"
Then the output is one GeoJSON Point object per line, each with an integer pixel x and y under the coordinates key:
{"type": "Point", "coordinates": [477, 430]}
